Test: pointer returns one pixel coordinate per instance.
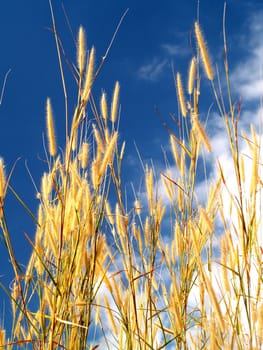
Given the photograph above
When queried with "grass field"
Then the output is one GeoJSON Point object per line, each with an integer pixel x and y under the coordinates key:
{"type": "Point", "coordinates": [174, 269]}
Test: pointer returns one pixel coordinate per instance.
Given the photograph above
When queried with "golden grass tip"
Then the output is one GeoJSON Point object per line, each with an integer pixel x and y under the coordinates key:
{"type": "Point", "coordinates": [203, 52]}
{"type": "Point", "coordinates": [50, 129]}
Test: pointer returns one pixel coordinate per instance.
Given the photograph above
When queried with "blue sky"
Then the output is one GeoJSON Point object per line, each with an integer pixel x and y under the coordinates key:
{"type": "Point", "coordinates": [154, 36]}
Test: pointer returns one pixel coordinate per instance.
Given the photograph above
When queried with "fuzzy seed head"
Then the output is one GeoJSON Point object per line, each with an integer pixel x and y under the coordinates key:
{"type": "Point", "coordinates": [146, 231]}
{"type": "Point", "coordinates": [204, 218]}
{"type": "Point", "coordinates": [99, 143]}
{"type": "Point", "coordinates": [191, 77]}
{"type": "Point", "coordinates": [109, 153]}
{"type": "Point", "coordinates": [109, 214]}
{"type": "Point", "coordinates": [225, 277]}
{"type": "Point", "coordinates": [122, 150]}
{"type": "Point", "coordinates": [204, 53]}
{"type": "Point", "coordinates": [242, 168]}
{"type": "Point", "coordinates": [115, 102]}
{"type": "Point", "coordinates": [104, 107]}
{"type": "Point", "coordinates": [110, 315]}
{"type": "Point", "coordinates": [84, 155]}
{"type": "Point", "coordinates": [74, 139]}
{"type": "Point", "coordinates": [50, 129]}
{"type": "Point", "coordinates": [81, 49]}
{"type": "Point", "coordinates": [180, 92]}
{"type": "Point", "coordinates": [214, 301]}
{"type": "Point", "coordinates": [175, 151]}
{"type": "Point", "coordinates": [201, 132]}
{"type": "Point", "coordinates": [2, 337]}
{"type": "Point", "coordinates": [149, 189]}
{"type": "Point", "coordinates": [89, 77]}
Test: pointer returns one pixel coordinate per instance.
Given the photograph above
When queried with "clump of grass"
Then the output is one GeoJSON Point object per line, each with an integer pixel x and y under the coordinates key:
{"type": "Point", "coordinates": [103, 273]}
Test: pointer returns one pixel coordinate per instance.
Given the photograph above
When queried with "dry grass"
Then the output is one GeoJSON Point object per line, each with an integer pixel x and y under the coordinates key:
{"type": "Point", "coordinates": [103, 275]}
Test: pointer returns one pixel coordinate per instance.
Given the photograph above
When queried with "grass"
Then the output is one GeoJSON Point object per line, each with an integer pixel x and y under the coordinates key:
{"type": "Point", "coordinates": [144, 276]}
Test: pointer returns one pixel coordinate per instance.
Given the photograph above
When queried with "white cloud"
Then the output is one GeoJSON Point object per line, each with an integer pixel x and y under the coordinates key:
{"type": "Point", "coordinates": [175, 50]}
{"type": "Point", "coordinates": [153, 70]}
{"type": "Point", "coordinates": [248, 76]}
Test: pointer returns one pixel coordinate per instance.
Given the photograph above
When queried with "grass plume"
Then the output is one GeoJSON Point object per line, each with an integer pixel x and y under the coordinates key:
{"type": "Point", "coordinates": [181, 97]}
{"type": "Point", "coordinates": [50, 129]}
{"type": "Point", "coordinates": [81, 50]}
{"type": "Point", "coordinates": [203, 52]}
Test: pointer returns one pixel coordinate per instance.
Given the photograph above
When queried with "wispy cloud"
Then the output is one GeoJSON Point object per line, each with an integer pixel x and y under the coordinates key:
{"type": "Point", "coordinates": [153, 70]}
{"type": "Point", "coordinates": [175, 50]}
{"type": "Point", "coordinates": [248, 76]}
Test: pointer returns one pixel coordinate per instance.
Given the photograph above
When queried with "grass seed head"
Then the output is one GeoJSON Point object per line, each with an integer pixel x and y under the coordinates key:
{"type": "Point", "coordinates": [180, 92]}
{"type": "Point", "coordinates": [213, 298]}
{"type": "Point", "coordinates": [2, 338]}
{"type": "Point", "coordinates": [204, 53]}
{"type": "Point", "coordinates": [149, 189]}
{"type": "Point", "coordinates": [191, 76]}
{"type": "Point", "coordinates": [81, 50]}
{"type": "Point", "coordinates": [115, 102]}
{"type": "Point", "coordinates": [224, 252]}
{"type": "Point", "coordinates": [110, 315]}
{"type": "Point", "coordinates": [104, 107]}
{"type": "Point", "coordinates": [89, 77]}
{"type": "Point", "coordinates": [108, 156]}
{"type": "Point", "coordinates": [50, 129]}
{"type": "Point", "coordinates": [201, 132]}
{"type": "Point", "coordinates": [204, 218]}
{"type": "Point", "coordinates": [84, 155]}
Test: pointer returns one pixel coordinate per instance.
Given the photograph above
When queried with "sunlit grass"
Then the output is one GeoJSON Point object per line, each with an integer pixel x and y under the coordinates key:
{"type": "Point", "coordinates": [144, 275]}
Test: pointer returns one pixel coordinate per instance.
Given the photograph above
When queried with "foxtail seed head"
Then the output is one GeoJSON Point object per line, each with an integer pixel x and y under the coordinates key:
{"type": "Point", "coordinates": [180, 92]}
{"type": "Point", "coordinates": [84, 155]}
{"type": "Point", "coordinates": [81, 49]}
{"type": "Point", "coordinates": [104, 107]}
{"type": "Point", "coordinates": [115, 102]}
{"type": "Point", "coordinates": [89, 75]}
{"type": "Point", "coordinates": [109, 153]}
{"type": "Point", "coordinates": [2, 337]}
{"type": "Point", "coordinates": [50, 129]}
{"type": "Point", "coordinates": [149, 189]}
{"type": "Point", "coordinates": [204, 53]}
{"type": "Point", "coordinates": [200, 130]}
{"type": "Point", "coordinates": [191, 76]}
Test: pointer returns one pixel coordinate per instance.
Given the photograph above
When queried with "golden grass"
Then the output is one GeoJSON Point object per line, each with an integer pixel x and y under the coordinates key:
{"type": "Point", "coordinates": [191, 76]}
{"type": "Point", "coordinates": [180, 92]}
{"type": "Point", "coordinates": [81, 50]}
{"type": "Point", "coordinates": [141, 275]}
{"type": "Point", "coordinates": [104, 107]}
{"type": "Point", "coordinates": [204, 53]}
{"type": "Point", "coordinates": [115, 101]}
{"type": "Point", "coordinates": [89, 76]}
{"type": "Point", "coordinates": [50, 130]}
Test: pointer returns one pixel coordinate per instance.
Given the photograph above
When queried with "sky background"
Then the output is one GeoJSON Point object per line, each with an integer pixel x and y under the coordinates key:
{"type": "Point", "coordinates": [154, 37]}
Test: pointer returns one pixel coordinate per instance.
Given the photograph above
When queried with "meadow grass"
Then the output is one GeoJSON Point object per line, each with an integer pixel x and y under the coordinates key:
{"type": "Point", "coordinates": [144, 276]}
